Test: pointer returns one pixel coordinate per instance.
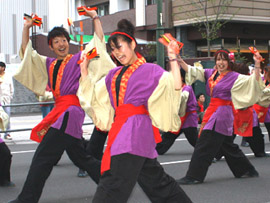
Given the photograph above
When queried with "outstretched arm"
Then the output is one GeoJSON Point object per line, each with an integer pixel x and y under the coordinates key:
{"type": "Point", "coordinates": [174, 65]}
{"type": "Point", "coordinates": [257, 64]}
{"type": "Point", "coordinates": [96, 21]}
{"type": "Point", "coordinates": [28, 23]}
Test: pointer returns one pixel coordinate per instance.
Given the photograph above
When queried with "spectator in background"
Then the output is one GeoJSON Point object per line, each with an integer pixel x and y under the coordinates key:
{"type": "Point", "coordinates": [200, 107]}
{"type": "Point", "coordinates": [7, 91]}
{"type": "Point", "coordinates": [47, 97]}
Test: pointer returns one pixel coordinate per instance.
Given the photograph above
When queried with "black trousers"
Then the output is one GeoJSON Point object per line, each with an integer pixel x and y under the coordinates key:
{"type": "Point", "coordinates": [256, 142]}
{"type": "Point", "coordinates": [267, 125]}
{"type": "Point", "coordinates": [5, 162]}
{"type": "Point", "coordinates": [169, 138]}
{"type": "Point", "coordinates": [207, 146]}
{"type": "Point", "coordinates": [116, 185]}
{"type": "Point", "coordinates": [47, 154]}
{"type": "Point", "coordinates": [96, 144]}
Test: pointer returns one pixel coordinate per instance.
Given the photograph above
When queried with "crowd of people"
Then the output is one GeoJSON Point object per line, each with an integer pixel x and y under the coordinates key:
{"type": "Point", "coordinates": [130, 105]}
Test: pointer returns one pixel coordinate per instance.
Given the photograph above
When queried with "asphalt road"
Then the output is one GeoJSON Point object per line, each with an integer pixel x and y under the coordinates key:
{"type": "Point", "coordinates": [220, 186]}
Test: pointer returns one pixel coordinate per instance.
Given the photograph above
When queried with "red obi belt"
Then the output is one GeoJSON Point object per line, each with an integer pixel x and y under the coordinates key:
{"type": "Point", "coordinates": [62, 103]}
{"type": "Point", "coordinates": [122, 113]}
{"type": "Point", "coordinates": [213, 106]}
{"type": "Point", "coordinates": [261, 112]}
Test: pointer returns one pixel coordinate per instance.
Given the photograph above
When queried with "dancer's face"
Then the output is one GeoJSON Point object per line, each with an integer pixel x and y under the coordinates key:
{"type": "Point", "coordinates": [60, 47]}
{"type": "Point", "coordinates": [221, 64]}
{"type": "Point", "coordinates": [124, 53]}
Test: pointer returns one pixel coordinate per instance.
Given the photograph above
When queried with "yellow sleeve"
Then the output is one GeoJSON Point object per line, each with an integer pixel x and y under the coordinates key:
{"type": "Point", "coordinates": [164, 103]}
{"type": "Point", "coordinates": [94, 99]}
{"type": "Point", "coordinates": [99, 67]}
{"type": "Point", "coordinates": [92, 92]}
{"type": "Point", "coordinates": [264, 100]}
{"type": "Point", "coordinates": [194, 73]}
{"type": "Point", "coordinates": [246, 91]}
{"type": "Point", "coordinates": [32, 72]}
{"type": "Point", "coordinates": [3, 119]}
{"type": "Point", "coordinates": [183, 105]}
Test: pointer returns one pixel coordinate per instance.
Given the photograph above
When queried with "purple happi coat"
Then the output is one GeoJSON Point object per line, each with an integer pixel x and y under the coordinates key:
{"type": "Point", "coordinates": [136, 135]}
{"type": "Point", "coordinates": [223, 118]}
{"type": "Point", "coordinates": [69, 86]}
{"type": "Point", "coordinates": [192, 118]}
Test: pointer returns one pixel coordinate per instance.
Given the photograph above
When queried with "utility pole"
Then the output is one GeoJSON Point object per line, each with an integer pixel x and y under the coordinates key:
{"type": "Point", "coordinates": [159, 31]}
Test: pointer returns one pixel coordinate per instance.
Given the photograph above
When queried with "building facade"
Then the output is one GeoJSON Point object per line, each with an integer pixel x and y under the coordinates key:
{"type": "Point", "coordinates": [248, 24]}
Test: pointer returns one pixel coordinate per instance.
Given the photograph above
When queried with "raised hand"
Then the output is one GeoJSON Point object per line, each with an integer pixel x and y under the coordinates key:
{"type": "Point", "coordinates": [84, 65]}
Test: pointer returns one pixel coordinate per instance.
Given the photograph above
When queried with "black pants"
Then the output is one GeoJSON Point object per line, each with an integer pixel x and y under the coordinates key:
{"type": "Point", "coordinates": [96, 143]}
{"type": "Point", "coordinates": [267, 125]}
{"type": "Point", "coordinates": [5, 162]}
{"type": "Point", "coordinates": [207, 146]}
{"type": "Point", "coordinates": [48, 152]}
{"type": "Point", "coordinates": [256, 142]}
{"type": "Point", "coordinates": [116, 185]}
{"type": "Point", "coordinates": [169, 138]}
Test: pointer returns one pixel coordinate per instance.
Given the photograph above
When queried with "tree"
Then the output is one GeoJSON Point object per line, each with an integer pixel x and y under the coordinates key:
{"type": "Point", "coordinates": [208, 17]}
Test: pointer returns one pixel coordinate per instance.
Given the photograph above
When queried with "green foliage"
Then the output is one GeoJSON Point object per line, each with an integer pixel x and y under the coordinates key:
{"type": "Point", "coordinates": [151, 49]}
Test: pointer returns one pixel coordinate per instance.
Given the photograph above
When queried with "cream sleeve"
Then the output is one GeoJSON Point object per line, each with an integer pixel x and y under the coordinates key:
{"type": "Point", "coordinates": [99, 67]}
{"type": "Point", "coordinates": [164, 103]}
{"type": "Point", "coordinates": [246, 91]}
{"type": "Point", "coordinates": [32, 72]}
{"type": "Point", "coordinates": [94, 99]}
{"type": "Point", "coordinates": [194, 73]}
{"type": "Point", "coordinates": [92, 92]}
{"type": "Point", "coordinates": [183, 105]}
{"type": "Point", "coordinates": [3, 119]}
{"type": "Point", "coordinates": [264, 100]}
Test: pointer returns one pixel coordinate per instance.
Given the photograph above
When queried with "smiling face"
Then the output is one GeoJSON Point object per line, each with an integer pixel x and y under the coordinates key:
{"type": "Point", "coordinates": [222, 64]}
{"type": "Point", "coordinates": [60, 46]}
{"type": "Point", "coordinates": [124, 52]}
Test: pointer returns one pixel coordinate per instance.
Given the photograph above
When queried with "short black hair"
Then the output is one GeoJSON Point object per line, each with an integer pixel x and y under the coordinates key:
{"type": "Point", "coordinates": [57, 32]}
{"type": "Point", "coordinates": [200, 94]}
{"type": "Point", "coordinates": [2, 64]}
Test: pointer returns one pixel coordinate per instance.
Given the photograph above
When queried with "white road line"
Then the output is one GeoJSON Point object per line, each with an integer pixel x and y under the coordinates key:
{"type": "Point", "coordinates": [21, 152]}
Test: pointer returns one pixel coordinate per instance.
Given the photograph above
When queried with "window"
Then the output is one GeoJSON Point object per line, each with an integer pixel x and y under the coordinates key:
{"type": "Point", "coordinates": [131, 4]}
{"type": "Point", "coordinates": [150, 2]}
{"type": "Point", "coordinates": [103, 9]}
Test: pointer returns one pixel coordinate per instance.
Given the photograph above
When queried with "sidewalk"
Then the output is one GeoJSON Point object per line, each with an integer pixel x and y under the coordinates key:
{"type": "Point", "coordinates": [31, 120]}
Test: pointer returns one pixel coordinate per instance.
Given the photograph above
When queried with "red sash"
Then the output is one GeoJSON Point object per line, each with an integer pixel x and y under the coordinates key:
{"type": "Point", "coordinates": [261, 112]}
{"type": "Point", "coordinates": [61, 105]}
{"type": "Point", "coordinates": [122, 113]}
{"type": "Point", "coordinates": [183, 119]}
{"type": "Point", "coordinates": [214, 104]}
{"type": "Point", "coordinates": [243, 122]}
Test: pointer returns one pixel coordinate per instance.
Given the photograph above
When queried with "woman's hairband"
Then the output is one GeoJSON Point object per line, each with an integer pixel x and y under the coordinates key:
{"type": "Point", "coordinates": [123, 33]}
{"type": "Point", "coordinates": [224, 51]}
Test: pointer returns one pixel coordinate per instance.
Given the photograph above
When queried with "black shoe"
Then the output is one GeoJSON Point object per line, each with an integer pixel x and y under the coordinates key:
{"type": "Point", "coordinates": [8, 184]}
{"type": "Point", "coordinates": [262, 155]}
{"type": "Point", "coordinates": [188, 181]}
{"type": "Point", "coordinates": [250, 174]}
{"type": "Point", "coordinates": [82, 173]}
